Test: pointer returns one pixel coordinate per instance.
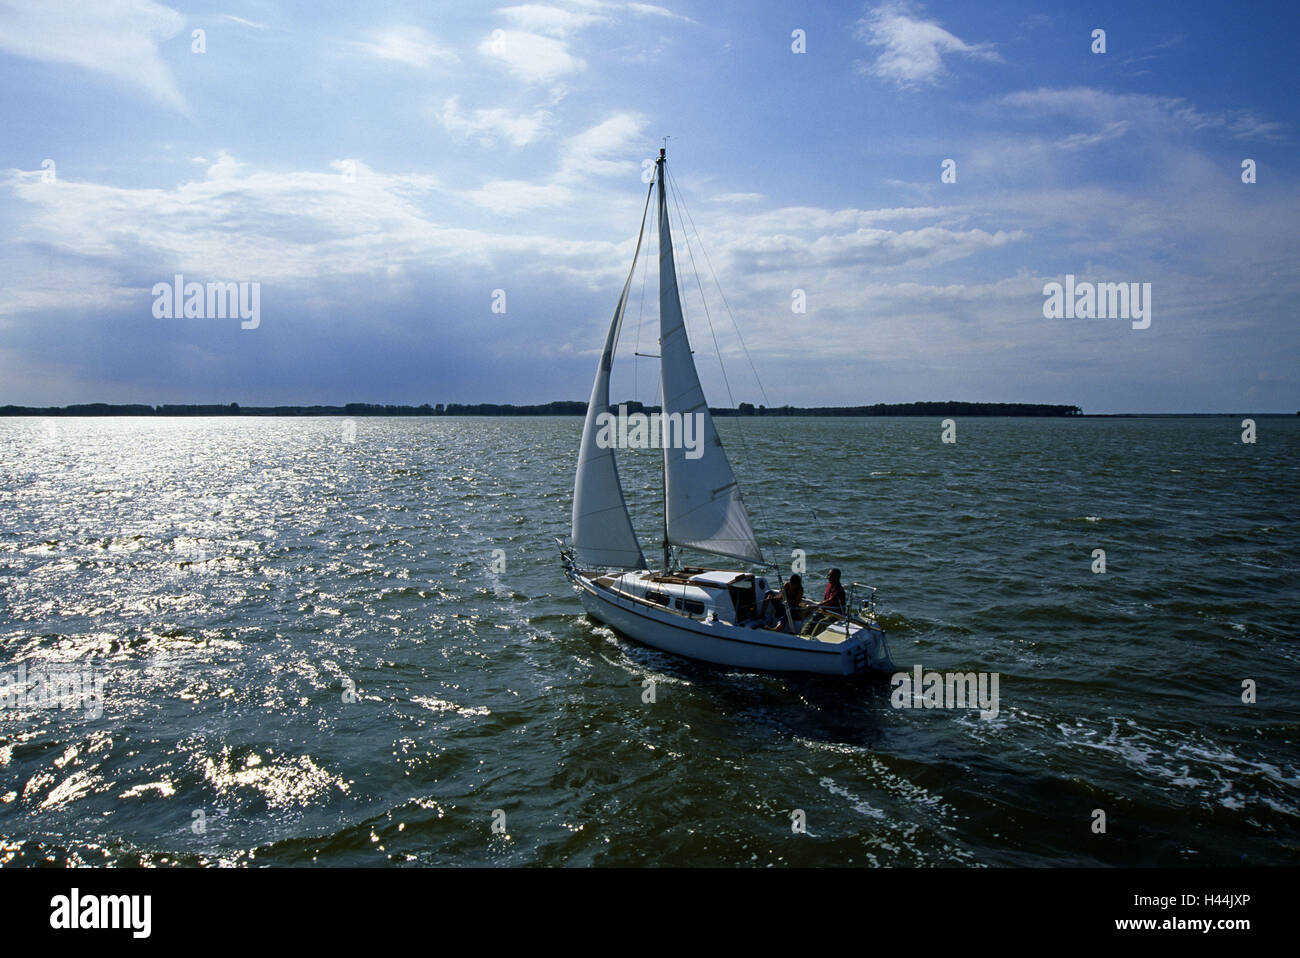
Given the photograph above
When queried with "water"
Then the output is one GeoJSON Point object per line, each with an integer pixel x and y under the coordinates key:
{"type": "Point", "coordinates": [307, 656]}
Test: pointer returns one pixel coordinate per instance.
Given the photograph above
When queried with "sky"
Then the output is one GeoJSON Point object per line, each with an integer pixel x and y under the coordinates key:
{"type": "Point", "coordinates": [438, 202]}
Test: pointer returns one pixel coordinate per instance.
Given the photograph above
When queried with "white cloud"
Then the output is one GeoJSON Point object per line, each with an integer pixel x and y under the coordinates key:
{"type": "Point", "coordinates": [242, 22]}
{"type": "Point", "coordinates": [531, 57]}
{"type": "Point", "coordinates": [605, 149]}
{"type": "Point", "coordinates": [517, 196]}
{"type": "Point", "coordinates": [1138, 110]}
{"type": "Point", "coordinates": [487, 126]}
{"type": "Point", "coordinates": [226, 167]}
{"type": "Point", "coordinates": [1111, 131]}
{"type": "Point", "coordinates": [412, 46]}
{"type": "Point", "coordinates": [538, 50]}
{"type": "Point", "coordinates": [117, 38]}
{"type": "Point", "coordinates": [809, 219]}
{"type": "Point", "coordinates": [554, 21]}
{"type": "Point", "coordinates": [1247, 126]}
{"type": "Point", "coordinates": [865, 248]}
{"type": "Point", "coordinates": [872, 291]}
{"type": "Point", "coordinates": [650, 9]}
{"type": "Point", "coordinates": [240, 223]}
{"type": "Point", "coordinates": [913, 49]}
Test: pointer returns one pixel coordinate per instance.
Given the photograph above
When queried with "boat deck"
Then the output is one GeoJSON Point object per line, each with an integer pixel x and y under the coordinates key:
{"type": "Point", "coordinates": [816, 626]}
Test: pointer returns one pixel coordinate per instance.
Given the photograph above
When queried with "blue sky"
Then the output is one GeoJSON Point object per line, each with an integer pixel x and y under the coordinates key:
{"type": "Point", "coordinates": [381, 169]}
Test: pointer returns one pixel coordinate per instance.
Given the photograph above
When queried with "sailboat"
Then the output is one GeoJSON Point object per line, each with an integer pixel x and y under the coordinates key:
{"type": "Point", "coordinates": [725, 616]}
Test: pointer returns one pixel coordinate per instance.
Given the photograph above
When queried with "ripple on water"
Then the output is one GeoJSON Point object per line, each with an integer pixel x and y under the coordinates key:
{"type": "Point", "coordinates": [314, 644]}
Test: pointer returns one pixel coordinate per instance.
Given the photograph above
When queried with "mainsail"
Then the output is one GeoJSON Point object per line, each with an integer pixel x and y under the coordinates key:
{"type": "Point", "coordinates": [703, 506]}
{"type": "Point", "coordinates": [602, 529]}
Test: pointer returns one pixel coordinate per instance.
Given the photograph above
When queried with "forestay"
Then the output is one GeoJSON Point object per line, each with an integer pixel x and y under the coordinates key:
{"type": "Point", "coordinates": [602, 529]}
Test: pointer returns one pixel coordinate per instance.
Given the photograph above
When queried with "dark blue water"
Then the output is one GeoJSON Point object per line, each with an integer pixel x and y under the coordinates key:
{"type": "Point", "coordinates": [314, 650]}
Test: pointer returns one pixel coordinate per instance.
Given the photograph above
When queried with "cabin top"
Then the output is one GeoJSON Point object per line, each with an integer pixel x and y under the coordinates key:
{"type": "Point", "coordinates": [729, 595]}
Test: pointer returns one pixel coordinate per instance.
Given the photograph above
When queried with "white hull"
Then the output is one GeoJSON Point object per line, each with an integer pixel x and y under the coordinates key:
{"type": "Point", "coordinates": [743, 647]}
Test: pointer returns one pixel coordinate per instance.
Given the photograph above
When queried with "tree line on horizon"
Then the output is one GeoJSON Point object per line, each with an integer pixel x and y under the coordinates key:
{"type": "Point", "coordinates": [558, 408]}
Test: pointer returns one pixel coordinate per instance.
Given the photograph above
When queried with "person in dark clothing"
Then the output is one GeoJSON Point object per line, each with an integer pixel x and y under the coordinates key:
{"type": "Point", "coordinates": [790, 597]}
{"type": "Point", "coordinates": [793, 591]}
{"type": "Point", "coordinates": [834, 599]}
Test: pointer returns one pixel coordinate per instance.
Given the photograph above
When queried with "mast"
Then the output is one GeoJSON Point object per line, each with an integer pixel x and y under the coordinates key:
{"type": "Point", "coordinates": [663, 461]}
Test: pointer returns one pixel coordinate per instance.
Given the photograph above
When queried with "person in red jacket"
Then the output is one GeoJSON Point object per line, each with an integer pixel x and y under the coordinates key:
{"type": "Point", "coordinates": [834, 599]}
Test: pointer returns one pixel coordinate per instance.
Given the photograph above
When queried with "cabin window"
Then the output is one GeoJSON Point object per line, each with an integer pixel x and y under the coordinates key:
{"type": "Point", "coordinates": [658, 598]}
{"type": "Point", "coordinates": [694, 608]}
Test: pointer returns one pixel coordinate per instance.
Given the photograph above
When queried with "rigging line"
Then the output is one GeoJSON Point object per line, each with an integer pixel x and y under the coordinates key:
{"type": "Point", "coordinates": [740, 428]}
{"type": "Point", "coordinates": [734, 325]}
{"type": "Point", "coordinates": [681, 302]}
{"type": "Point", "coordinates": [640, 236]}
{"type": "Point", "coordinates": [708, 318]}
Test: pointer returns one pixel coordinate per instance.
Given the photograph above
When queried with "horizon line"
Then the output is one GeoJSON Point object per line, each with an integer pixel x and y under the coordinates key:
{"type": "Point", "coordinates": [574, 408]}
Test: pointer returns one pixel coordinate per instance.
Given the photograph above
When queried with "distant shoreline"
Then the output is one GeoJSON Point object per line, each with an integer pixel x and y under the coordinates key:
{"type": "Point", "coordinates": [541, 409]}
{"type": "Point", "coordinates": [969, 409]}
